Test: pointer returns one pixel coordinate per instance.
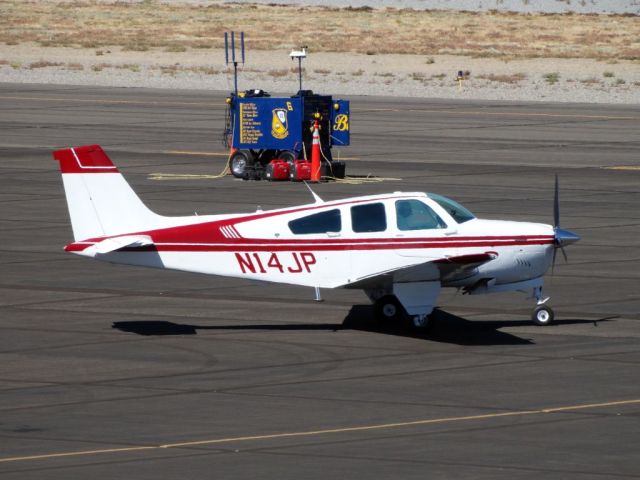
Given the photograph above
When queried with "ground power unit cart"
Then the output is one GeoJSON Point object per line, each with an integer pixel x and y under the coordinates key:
{"type": "Point", "coordinates": [261, 129]}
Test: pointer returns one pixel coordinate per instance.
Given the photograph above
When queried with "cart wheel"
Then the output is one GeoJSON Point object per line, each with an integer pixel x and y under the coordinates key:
{"type": "Point", "coordinates": [287, 155]}
{"type": "Point", "coordinates": [239, 162]}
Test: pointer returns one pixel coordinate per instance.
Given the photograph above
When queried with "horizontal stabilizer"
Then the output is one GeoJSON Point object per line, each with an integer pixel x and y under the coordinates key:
{"type": "Point", "coordinates": [117, 243]}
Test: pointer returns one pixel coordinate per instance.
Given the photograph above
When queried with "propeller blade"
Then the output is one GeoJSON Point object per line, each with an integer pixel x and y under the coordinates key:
{"type": "Point", "coordinates": [564, 254]}
{"type": "Point", "coordinates": [560, 237]}
{"type": "Point", "coordinates": [556, 206]}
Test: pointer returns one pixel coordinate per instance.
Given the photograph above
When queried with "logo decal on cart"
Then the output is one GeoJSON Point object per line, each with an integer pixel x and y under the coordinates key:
{"type": "Point", "coordinates": [279, 123]}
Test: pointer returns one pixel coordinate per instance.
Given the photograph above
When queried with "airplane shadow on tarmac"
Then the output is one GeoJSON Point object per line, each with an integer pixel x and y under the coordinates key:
{"type": "Point", "coordinates": [445, 328]}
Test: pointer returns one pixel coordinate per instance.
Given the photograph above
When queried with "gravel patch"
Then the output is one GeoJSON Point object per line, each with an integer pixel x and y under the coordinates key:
{"type": "Point", "coordinates": [555, 80]}
{"type": "Point", "coordinates": [521, 6]}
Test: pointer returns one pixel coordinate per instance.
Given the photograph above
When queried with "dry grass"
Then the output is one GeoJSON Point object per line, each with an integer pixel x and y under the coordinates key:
{"type": "Point", "coordinates": [44, 64]}
{"type": "Point", "coordinates": [551, 78]}
{"type": "Point", "coordinates": [74, 66]}
{"type": "Point", "coordinates": [178, 27]}
{"type": "Point", "coordinates": [512, 78]}
{"type": "Point", "coordinates": [279, 73]}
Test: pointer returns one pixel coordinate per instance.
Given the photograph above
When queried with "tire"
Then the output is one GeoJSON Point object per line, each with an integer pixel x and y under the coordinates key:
{"type": "Point", "coordinates": [422, 325]}
{"type": "Point", "coordinates": [240, 162]}
{"type": "Point", "coordinates": [287, 155]}
{"type": "Point", "coordinates": [389, 309]}
{"type": "Point", "coordinates": [542, 316]}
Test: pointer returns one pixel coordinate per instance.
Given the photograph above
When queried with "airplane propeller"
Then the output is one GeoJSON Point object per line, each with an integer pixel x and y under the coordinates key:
{"type": "Point", "coordinates": [561, 237]}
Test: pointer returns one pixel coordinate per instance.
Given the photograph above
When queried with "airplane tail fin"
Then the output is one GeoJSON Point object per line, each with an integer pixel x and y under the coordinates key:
{"type": "Point", "coordinates": [100, 200]}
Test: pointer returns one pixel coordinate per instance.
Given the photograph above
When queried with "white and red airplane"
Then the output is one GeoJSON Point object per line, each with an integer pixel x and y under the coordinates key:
{"type": "Point", "coordinates": [400, 248]}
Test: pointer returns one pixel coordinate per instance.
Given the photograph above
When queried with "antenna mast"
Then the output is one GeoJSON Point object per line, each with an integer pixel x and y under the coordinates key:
{"type": "Point", "coordinates": [232, 48]}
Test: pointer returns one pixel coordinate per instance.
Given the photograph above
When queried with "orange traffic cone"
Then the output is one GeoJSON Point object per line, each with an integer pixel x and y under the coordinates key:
{"type": "Point", "coordinates": [315, 154]}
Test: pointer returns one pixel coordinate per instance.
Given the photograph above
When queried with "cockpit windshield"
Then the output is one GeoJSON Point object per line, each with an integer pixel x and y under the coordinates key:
{"type": "Point", "coordinates": [457, 211]}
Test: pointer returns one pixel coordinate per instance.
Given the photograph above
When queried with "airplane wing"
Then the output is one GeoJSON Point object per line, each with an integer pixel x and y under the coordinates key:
{"type": "Point", "coordinates": [112, 244]}
{"type": "Point", "coordinates": [445, 269]}
{"type": "Point", "coordinates": [461, 266]}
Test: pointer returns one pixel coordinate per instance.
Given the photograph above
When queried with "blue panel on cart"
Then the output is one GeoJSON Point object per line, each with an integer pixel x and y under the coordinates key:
{"type": "Point", "coordinates": [340, 123]}
{"type": "Point", "coordinates": [267, 123]}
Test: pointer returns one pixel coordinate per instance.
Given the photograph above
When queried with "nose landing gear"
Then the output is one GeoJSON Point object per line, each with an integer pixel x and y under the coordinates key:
{"type": "Point", "coordinates": [542, 314]}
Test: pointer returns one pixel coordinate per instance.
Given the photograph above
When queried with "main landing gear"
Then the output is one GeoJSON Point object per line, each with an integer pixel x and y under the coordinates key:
{"type": "Point", "coordinates": [390, 311]}
{"type": "Point", "coordinates": [542, 314]}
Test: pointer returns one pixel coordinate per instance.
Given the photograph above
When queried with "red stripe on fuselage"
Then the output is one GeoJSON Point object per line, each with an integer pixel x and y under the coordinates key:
{"type": "Point", "coordinates": [222, 236]}
{"type": "Point", "coordinates": [261, 245]}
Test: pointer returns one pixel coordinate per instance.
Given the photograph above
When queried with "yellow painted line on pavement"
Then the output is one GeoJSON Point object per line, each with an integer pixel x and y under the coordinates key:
{"type": "Point", "coordinates": [187, 152]}
{"type": "Point", "coordinates": [314, 433]}
{"type": "Point", "coordinates": [75, 454]}
{"type": "Point", "coordinates": [219, 154]}
{"type": "Point", "coordinates": [103, 100]}
{"type": "Point", "coordinates": [357, 110]}
{"type": "Point", "coordinates": [180, 176]}
{"type": "Point", "coordinates": [498, 114]}
{"type": "Point", "coordinates": [623, 167]}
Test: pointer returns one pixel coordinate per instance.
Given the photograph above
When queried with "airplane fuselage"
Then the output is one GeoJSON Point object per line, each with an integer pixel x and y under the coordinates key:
{"type": "Point", "coordinates": [261, 246]}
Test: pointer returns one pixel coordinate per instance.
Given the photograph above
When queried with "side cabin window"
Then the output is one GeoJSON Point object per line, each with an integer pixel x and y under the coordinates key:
{"type": "Point", "coordinates": [368, 218]}
{"type": "Point", "coordinates": [323, 222]}
{"type": "Point", "coordinates": [415, 215]}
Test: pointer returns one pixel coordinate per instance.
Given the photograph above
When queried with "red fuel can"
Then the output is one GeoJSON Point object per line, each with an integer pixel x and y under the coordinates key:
{"type": "Point", "coordinates": [277, 170]}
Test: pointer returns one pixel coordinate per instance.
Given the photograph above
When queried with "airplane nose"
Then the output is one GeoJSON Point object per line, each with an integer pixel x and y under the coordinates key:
{"type": "Point", "coordinates": [565, 237]}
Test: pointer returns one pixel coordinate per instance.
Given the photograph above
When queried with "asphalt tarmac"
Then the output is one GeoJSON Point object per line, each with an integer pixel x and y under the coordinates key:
{"type": "Point", "coordinates": [111, 371]}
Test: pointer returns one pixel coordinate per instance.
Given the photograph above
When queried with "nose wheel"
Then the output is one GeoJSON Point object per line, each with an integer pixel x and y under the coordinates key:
{"type": "Point", "coordinates": [542, 314]}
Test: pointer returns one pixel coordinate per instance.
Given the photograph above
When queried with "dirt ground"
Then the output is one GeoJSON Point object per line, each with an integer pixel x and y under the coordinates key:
{"type": "Point", "coordinates": [351, 50]}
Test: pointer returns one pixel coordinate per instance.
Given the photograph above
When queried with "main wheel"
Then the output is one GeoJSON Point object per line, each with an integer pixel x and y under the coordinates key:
{"type": "Point", "coordinates": [240, 162]}
{"type": "Point", "coordinates": [389, 309]}
{"type": "Point", "coordinates": [422, 322]}
{"type": "Point", "coordinates": [542, 315]}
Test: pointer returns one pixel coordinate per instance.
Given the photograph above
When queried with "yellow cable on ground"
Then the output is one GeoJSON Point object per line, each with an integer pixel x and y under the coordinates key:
{"type": "Point", "coordinates": [347, 180]}
{"type": "Point", "coordinates": [187, 176]}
